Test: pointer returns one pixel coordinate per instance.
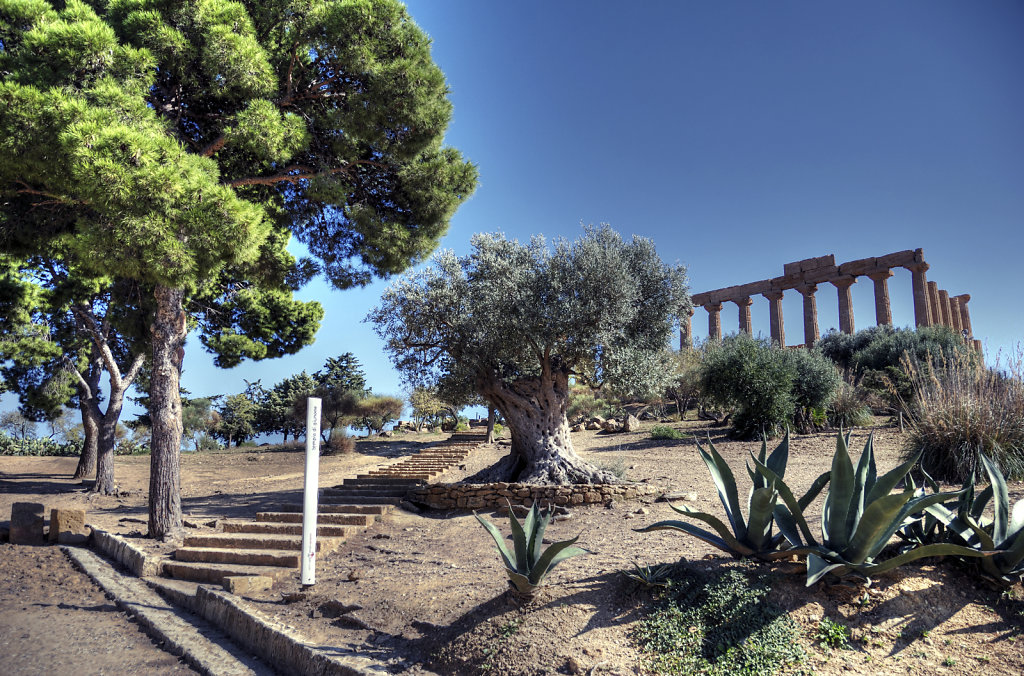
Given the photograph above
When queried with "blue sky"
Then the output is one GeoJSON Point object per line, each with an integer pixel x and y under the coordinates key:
{"type": "Point", "coordinates": [738, 136]}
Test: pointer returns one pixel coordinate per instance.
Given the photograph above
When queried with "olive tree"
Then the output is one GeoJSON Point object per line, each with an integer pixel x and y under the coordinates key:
{"type": "Point", "coordinates": [518, 323]}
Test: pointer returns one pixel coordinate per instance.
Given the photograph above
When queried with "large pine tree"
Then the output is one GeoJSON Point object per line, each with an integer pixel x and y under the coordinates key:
{"type": "Point", "coordinates": [166, 140]}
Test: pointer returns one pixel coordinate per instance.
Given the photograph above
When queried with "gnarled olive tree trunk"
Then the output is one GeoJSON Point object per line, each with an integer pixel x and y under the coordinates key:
{"type": "Point", "coordinates": [534, 410]}
{"type": "Point", "coordinates": [169, 330]}
{"type": "Point", "coordinates": [88, 390]}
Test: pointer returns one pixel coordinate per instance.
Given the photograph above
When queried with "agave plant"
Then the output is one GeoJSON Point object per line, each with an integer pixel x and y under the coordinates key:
{"type": "Point", "coordinates": [753, 537]}
{"type": "Point", "coordinates": [860, 516]}
{"type": "Point", "coordinates": [1002, 537]}
{"type": "Point", "coordinates": [527, 566]}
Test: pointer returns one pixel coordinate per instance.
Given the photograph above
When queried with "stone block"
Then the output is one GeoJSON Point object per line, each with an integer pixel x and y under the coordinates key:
{"type": "Point", "coordinates": [244, 584]}
{"type": "Point", "coordinates": [576, 499]}
{"type": "Point", "coordinates": [67, 526]}
{"type": "Point", "coordinates": [592, 496]}
{"type": "Point", "coordinates": [27, 523]}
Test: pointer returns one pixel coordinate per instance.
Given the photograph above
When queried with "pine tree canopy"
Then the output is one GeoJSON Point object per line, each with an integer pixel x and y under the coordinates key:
{"type": "Point", "coordinates": [165, 140]}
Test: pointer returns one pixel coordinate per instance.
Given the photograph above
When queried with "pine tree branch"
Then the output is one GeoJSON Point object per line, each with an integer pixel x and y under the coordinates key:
{"type": "Point", "coordinates": [305, 173]}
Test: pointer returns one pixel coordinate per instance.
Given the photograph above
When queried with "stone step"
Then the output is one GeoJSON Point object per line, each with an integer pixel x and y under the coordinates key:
{"type": "Point", "coordinates": [385, 479]}
{"type": "Point", "coordinates": [363, 499]}
{"type": "Point", "coordinates": [364, 520]}
{"type": "Point", "coordinates": [374, 491]}
{"type": "Point", "coordinates": [258, 541]}
{"type": "Point", "coordinates": [278, 528]}
{"type": "Point", "coordinates": [214, 573]}
{"type": "Point", "coordinates": [340, 508]}
{"type": "Point", "coordinates": [280, 558]}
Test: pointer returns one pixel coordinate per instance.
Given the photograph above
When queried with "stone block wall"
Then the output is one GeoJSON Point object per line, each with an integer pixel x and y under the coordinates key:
{"type": "Point", "coordinates": [493, 496]}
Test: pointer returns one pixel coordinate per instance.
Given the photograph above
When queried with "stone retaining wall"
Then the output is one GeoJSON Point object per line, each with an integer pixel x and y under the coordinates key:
{"type": "Point", "coordinates": [493, 496]}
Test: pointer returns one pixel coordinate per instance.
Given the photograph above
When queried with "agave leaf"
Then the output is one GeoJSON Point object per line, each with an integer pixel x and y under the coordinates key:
{"type": "Point", "coordinates": [759, 528]}
{"type": "Point", "coordinates": [756, 479]}
{"type": "Point", "coordinates": [1010, 559]}
{"type": "Point", "coordinates": [888, 481]}
{"type": "Point", "coordinates": [914, 505]}
{"type": "Point", "coordinates": [787, 525]}
{"type": "Point", "coordinates": [839, 498]}
{"type": "Point", "coordinates": [814, 490]}
{"type": "Point", "coordinates": [499, 539]}
{"type": "Point", "coordinates": [877, 518]}
{"type": "Point", "coordinates": [936, 549]}
{"type": "Point", "coordinates": [537, 541]}
{"type": "Point", "coordinates": [554, 554]}
{"type": "Point", "coordinates": [862, 477]}
{"type": "Point", "coordinates": [519, 539]}
{"type": "Point", "coordinates": [951, 521]}
{"type": "Point", "coordinates": [697, 532]}
{"type": "Point", "coordinates": [795, 511]}
{"type": "Point", "coordinates": [521, 582]}
{"type": "Point", "coordinates": [1016, 520]}
{"type": "Point", "coordinates": [726, 483]}
{"type": "Point", "coordinates": [978, 509]}
{"type": "Point", "coordinates": [817, 568]}
{"type": "Point", "coordinates": [779, 458]}
{"type": "Point", "coordinates": [730, 539]}
{"type": "Point", "coordinates": [1001, 500]}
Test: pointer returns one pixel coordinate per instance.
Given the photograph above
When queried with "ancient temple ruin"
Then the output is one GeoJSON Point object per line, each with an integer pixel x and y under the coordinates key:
{"type": "Point", "coordinates": [931, 305]}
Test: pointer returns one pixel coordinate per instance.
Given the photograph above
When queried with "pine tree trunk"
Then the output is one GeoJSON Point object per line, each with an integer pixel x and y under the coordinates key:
{"type": "Point", "coordinates": [90, 424]}
{"type": "Point", "coordinates": [87, 461]}
{"type": "Point", "coordinates": [169, 330]}
{"type": "Point", "coordinates": [107, 441]}
{"type": "Point", "coordinates": [542, 451]}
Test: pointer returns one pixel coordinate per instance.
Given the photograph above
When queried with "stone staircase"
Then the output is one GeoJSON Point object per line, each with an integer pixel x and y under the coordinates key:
{"type": "Point", "coordinates": [270, 544]}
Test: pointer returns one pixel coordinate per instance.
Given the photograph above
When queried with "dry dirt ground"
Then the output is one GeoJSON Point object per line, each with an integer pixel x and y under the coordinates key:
{"type": "Point", "coordinates": [428, 590]}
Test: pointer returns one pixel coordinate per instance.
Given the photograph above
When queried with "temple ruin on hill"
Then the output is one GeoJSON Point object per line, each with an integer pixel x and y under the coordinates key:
{"type": "Point", "coordinates": [932, 305]}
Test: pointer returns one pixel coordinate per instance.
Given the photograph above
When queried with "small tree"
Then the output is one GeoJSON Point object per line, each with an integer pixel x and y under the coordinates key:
{"type": "Point", "coordinates": [373, 413]}
{"type": "Point", "coordinates": [515, 322]}
{"type": "Point", "coordinates": [198, 419]}
{"type": "Point", "coordinates": [237, 419]}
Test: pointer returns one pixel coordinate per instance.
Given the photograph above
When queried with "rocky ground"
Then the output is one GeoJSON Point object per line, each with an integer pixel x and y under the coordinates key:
{"type": "Point", "coordinates": [426, 592]}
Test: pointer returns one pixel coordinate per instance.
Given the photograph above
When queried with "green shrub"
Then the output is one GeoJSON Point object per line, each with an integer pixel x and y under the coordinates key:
{"type": "Point", "coordinates": [718, 624]}
{"type": "Point", "coordinates": [340, 443]}
{"type": "Point", "coordinates": [960, 409]}
{"type": "Point", "coordinates": [766, 387]}
{"type": "Point", "coordinates": [832, 634]}
{"type": "Point", "coordinates": [664, 432]}
{"type": "Point", "coordinates": [37, 447]}
{"type": "Point", "coordinates": [583, 403]}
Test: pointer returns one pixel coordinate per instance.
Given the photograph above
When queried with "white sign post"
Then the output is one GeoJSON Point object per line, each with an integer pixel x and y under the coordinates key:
{"type": "Point", "coordinates": [309, 500]}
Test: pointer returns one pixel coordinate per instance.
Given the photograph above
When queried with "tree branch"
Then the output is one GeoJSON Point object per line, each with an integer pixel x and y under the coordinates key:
{"type": "Point", "coordinates": [305, 173]}
{"type": "Point", "coordinates": [216, 145]}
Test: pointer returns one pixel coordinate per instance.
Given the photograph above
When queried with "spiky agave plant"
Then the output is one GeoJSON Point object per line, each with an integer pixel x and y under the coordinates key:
{"type": "Point", "coordinates": [860, 516]}
{"type": "Point", "coordinates": [527, 565]}
{"type": "Point", "coordinates": [1001, 538]}
{"type": "Point", "coordinates": [753, 536]}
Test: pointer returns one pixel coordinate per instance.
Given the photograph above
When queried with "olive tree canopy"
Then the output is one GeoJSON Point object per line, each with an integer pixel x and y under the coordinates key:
{"type": "Point", "coordinates": [517, 323]}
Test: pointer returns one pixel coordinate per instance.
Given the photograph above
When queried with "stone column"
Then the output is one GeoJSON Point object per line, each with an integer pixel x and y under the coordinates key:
{"type": "Point", "coordinates": [811, 334]}
{"type": "Point", "coordinates": [744, 306]}
{"type": "Point", "coordinates": [714, 320]}
{"type": "Point", "coordinates": [924, 309]}
{"type": "Point", "coordinates": [685, 330]}
{"type": "Point", "coordinates": [843, 285]}
{"type": "Point", "coordinates": [775, 317]}
{"type": "Point", "coordinates": [933, 299]}
{"type": "Point", "coordinates": [883, 310]}
{"type": "Point", "coordinates": [965, 316]}
{"type": "Point", "coordinates": [947, 320]}
{"type": "Point", "coordinates": [954, 315]}
{"type": "Point", "coordinates": [981, 354]}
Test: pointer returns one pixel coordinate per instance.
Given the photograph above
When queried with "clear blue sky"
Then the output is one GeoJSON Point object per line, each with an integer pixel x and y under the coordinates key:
{"type": "Point", "coordinates": [738, 136]}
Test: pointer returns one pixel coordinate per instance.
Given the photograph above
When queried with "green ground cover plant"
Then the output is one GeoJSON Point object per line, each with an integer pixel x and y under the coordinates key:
{"type": "Point", "coordinates": [718, 625]}
{"type": "Point", "coordinates": [665, 433]}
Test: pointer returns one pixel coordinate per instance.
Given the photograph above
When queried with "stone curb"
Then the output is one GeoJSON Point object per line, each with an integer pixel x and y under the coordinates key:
{"type": "Point", "coordinates": [162, 621]}
{"type": "Point", "coordinates": [269, 640]}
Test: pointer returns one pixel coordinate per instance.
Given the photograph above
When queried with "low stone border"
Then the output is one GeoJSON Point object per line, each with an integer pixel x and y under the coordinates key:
{"type": "Point", "coordinates": [493, 496]}
{"type": "Point", "coordinates": [128, 555]}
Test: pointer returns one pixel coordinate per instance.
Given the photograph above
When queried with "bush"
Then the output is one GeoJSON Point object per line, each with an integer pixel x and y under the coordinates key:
{"type": "Point", "coordinates": [37, 447]}
{"type": "Point", "coordinates": [664, 432]}
{"type": "Point", "coordinates": [848, 408]}
{"type": "Point", "coordinates": [960, 409]}
{"type": "Point", "coordinates": [583, 403]}
{"type": "Point", "coordinates": [340, 443]}
{"type": "Point", "coordinates": [766, 387]}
